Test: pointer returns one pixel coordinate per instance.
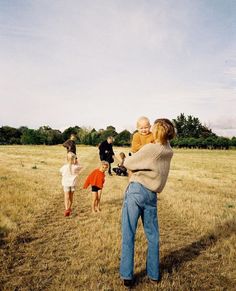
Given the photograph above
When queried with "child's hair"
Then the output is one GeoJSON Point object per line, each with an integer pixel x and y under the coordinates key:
{"type": "Point", "coordinates": [122, 155]}
{"type": "Point", "coordinates": [104, 163]}
{"type": "Point", "coordinates": [163, 130]}
{"type": "Point", "coordinates": [71, 158]}
{"type": "Point", "coordinates": [141, 119]}
{"type": "Point", "coordinates": [73, 136]}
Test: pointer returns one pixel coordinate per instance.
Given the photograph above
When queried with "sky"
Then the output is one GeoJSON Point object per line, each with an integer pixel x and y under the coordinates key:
{"type": "Point", "coordinates": [97, 63]}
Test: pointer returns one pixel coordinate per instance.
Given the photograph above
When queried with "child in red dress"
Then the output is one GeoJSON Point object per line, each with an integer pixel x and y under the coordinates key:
{"type": "Point", "coordinates": [96, 179]}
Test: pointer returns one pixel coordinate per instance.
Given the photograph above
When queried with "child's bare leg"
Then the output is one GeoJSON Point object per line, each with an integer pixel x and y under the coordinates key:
{"type": "Point", "coordinates": [67, 203]}
{"type": "Point", "coordinates": [71, 195]}
{"type": "Point", "coordinates": [94, 202]}
{"type": "Point", "coordinates": [98, 200]}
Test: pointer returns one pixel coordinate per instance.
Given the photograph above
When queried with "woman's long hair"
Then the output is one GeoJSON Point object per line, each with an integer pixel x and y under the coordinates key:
{"type": "Point", "coordinates": [163, 130]}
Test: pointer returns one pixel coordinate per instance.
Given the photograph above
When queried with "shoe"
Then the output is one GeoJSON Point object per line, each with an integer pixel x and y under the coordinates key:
{"type": "Point", "coordinates": [128, 283]}
{"type": "Point", "coordinates": [67, 212]}
{"type": "Point", "coordinates": [153, 281]}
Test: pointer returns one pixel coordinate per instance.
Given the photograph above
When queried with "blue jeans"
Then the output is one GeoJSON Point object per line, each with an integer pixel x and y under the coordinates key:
{"type": "Point", "coordinates": [139, 201]}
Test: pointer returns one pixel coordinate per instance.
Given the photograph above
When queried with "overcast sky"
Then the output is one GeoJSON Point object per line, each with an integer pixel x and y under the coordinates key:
{"type": "Point", "coordinates": [98, 63]}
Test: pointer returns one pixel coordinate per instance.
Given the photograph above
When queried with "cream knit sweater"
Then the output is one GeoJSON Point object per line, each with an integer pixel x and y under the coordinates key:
{"type": "Point", "coordinates": [150, 166]}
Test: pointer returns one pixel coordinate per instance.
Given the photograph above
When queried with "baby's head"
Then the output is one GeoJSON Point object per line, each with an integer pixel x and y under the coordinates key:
{"type": "Point", "coordinates": [143, 125]}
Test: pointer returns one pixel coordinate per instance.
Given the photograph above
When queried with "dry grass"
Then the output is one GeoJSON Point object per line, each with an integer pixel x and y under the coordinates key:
{"type": "Point", "coordinates": [42, 250]}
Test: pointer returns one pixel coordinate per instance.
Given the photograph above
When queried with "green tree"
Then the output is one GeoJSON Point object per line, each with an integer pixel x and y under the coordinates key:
{"type": "Point", "coordinates": [233, 141]}
{"type": "Point", "coordinates": [10, 135]}
{"type": "Point", "coordinates": [191, 127]}
{"type": "Point", "coordinates": [31, 136]}
{"type": "Point", "coordinates": [51, 136]}
{"type": "Point", "coordinates": [72, 130]}
{"type": "Point", "coordinates": [123, 138]}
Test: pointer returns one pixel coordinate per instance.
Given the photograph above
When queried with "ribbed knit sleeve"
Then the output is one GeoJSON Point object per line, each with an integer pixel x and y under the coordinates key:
{"type": "Point", "coordinates": [142, 160]}
{"type": "Point", "coordinates": [150, 166]}
{"type": "Point", "coordinates": [138, 141]}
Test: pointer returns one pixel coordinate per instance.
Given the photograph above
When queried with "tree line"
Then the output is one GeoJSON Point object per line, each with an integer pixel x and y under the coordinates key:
{"type": "Point", "coordinates": [190, 133]}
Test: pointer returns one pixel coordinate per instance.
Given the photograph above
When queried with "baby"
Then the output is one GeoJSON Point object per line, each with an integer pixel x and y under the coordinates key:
{"type": "Point", "coordinates": [143, 135]}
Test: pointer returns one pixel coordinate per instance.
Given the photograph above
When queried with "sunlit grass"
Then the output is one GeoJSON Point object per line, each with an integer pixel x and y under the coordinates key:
{"type": "Point", "coordinates": [43, 250]}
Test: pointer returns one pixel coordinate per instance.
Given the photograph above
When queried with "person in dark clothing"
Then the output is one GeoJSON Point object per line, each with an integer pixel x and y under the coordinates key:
{"type": "Point", "coordinates": [121, 170]}
{"type": "Point", "coordinates": [106, 152]}
{"type": "Point", "coordinates": [70, 144]}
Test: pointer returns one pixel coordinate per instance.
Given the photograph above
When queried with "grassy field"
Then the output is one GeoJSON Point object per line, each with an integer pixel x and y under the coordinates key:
{"type": "Point", "coordinates": [43, 250]}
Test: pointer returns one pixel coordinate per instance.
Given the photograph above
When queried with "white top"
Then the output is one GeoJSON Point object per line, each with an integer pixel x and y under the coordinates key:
{"type": "Point", "coordinates": [69, 178]}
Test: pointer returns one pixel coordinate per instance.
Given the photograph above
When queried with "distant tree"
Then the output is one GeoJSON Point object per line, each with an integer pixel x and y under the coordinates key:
{"type": "Point", "coordinates": [9, 135]}
{"type": "Point", "coordinates": [123, 138]}
{"type": "Point", "coordinates": [72, 130]}
{"type": "Point", "coordinates": [95, 137]}
{"type": "Point", "coordinates": [83, 135]}
{"type": "Point", "coordinates": [191, 127]}
{"type": "Point", "coordinates": [233, 141]}
{"type": "Point", "coordinates": [50, 136]}
{"type": "Point", "coordinates": [31, 136]}
{"type": "Point", "coordinates": [222, 143]}
{"type": "Point", "coordinates": [110, 131]}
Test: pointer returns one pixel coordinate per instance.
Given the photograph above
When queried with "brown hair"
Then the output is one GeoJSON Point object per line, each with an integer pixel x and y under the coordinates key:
{"type": "Point", "coordinates": [163, 130]}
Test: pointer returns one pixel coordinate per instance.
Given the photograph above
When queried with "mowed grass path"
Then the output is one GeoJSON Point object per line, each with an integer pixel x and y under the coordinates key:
{"type": "Point", "coordinates": [43, 250]}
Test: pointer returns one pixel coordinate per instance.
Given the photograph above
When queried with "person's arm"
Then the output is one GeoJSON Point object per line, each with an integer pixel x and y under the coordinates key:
{"type": "Point", "coordinates": [87, 182]}
{"type": "Point", "coordinates": [136, 143]}
{"type": "Point", "coordinates": [141, 159]}
{"type": "Point", "coordinates": [102, 151]}
{"type": "Point", "coordinates": [65, 144]}
{"type": "Point", "coordinates": [112, 152]}
{"type": "Point", "coordinates": [77, 168]}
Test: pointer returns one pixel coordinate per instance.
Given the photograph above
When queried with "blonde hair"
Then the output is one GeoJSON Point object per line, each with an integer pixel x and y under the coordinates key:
{"type": "Point", "coordinates": [71, 158]}
{"type": "Point", "coordinates": [104, 163]}
{"type": "Point", "coordinates": [142, 118]}
{"type": "Point", "coordinates": [122, 155]}
{"type": "Point", "coordinates": [163, 130]}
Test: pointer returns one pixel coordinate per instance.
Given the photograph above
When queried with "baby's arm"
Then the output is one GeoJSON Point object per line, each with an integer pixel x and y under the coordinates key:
{"type": "Point", "coordinates": [136, 143]}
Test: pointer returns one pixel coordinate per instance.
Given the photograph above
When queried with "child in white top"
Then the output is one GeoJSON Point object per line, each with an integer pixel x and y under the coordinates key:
{"type": "Point", "coordinates": [69, 180]}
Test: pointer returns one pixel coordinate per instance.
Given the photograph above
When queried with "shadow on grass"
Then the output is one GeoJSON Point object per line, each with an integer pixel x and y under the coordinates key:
{"type": "Point", "coordinates": [3, 233]}
{"type": "Point", "coordinates": [175, 259]}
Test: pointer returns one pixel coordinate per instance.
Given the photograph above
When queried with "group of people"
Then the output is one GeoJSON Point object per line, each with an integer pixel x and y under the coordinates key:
{"type": "Point", "coordinates": [70, 172]}
{"type": "Point", "coordinates": [147, 169]}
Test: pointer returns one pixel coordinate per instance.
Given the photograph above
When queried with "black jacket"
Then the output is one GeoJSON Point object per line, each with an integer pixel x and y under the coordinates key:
{"type": "Point", "coordinates": [106, 152]}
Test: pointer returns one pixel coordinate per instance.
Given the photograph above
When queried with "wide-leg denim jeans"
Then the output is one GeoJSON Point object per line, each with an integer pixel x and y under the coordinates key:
{"type": "Point", "coordinates": [139, 202]}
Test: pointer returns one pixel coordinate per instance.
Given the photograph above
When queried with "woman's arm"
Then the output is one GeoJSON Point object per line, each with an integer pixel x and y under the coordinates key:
{"type": "Point", "coordinates": [136, 143]}
{"type": "Point", "coordinates": [141, 159]}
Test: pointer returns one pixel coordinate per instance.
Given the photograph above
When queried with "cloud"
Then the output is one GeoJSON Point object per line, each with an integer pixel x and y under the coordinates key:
{"type": "Point", "coordinates": [96, 63]}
